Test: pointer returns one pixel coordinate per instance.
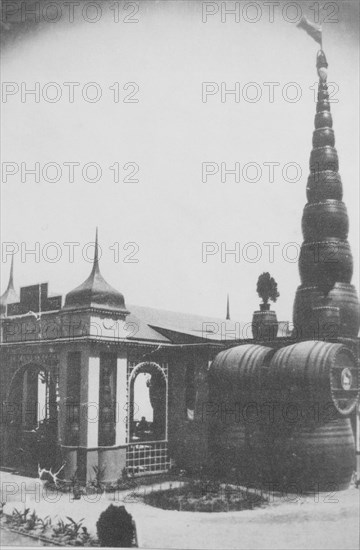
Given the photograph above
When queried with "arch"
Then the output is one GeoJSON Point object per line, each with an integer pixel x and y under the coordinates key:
{"type": "Point", "coordinates": [32, 416]}
{"type": "Point", "coordinates": [145, 366]}
{"type": "Point", "coordinates": [190, 391]}
{"type": "Point", "coordinates": [156, 429]}
{"type": "Point", "coordinates": [21, 370]}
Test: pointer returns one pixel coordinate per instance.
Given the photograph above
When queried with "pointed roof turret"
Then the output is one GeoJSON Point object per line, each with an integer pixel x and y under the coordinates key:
{"type": "Point", "coordinates": [10, 295]}
{"type": "Point", "coordinates": [227, 308]}
{"type": "Point", "coordinates": [95, 292]}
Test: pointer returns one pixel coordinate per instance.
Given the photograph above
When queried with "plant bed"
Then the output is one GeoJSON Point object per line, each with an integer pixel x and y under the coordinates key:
{"type": "Point", "coordinates": [62, 533]}
{"type": "Point", "coordinates": [124, 483]}
{"type": "Point", "coordinates": [202, 496]}
{"type": "Point", "coordinates": [40, 538]}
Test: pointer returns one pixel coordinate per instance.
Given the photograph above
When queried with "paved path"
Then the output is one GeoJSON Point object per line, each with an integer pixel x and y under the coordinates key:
{"type": "Point", "coordinates": [325, 522]}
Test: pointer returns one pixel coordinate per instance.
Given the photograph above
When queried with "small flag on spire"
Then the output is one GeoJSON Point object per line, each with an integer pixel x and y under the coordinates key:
{"type": "Point", "coordinates": [314, 30]}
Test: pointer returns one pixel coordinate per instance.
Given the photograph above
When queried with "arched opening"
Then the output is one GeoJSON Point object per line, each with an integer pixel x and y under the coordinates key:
{"type": "Point", "coordinates": [148, 403]}
{"type": "Point", "coordinates": [190, 392]}
{"type": "Point", "coordinates": [32, 419]}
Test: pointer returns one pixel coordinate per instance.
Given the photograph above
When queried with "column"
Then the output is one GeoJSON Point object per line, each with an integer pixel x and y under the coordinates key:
{"type": "Point", "coordinates": [93, 402]}
{"type": "Point", "coordinates": [121, 401]}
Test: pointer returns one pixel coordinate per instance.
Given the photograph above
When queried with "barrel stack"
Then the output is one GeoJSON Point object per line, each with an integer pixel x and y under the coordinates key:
{"type": "Point", "coordinates": [326, 303]}
{"type": "Point", "coordinates": [282, 417]}
{"type": "Point", "coordinates": [317, 379]}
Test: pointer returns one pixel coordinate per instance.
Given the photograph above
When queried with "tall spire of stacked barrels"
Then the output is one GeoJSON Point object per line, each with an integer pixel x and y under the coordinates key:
{"type": "Point", "coordinates": [326, 303]}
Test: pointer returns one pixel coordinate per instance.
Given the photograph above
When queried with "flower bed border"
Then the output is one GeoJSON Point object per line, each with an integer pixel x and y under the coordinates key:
{"type": "Point", "coordinates": [27, 534]}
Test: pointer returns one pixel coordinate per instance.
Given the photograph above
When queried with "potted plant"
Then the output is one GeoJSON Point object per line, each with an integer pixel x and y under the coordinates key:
{"type": "Point", "coordinates": [267, 290]}
{"type": "Point", "coordinates": [264, 324]}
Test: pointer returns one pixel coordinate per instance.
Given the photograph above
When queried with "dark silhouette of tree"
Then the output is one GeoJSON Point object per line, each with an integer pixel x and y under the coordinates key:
{"type": "Point", "coordinates": [115, 527]}
{"type": "Point", "coordinates": [267, 288]}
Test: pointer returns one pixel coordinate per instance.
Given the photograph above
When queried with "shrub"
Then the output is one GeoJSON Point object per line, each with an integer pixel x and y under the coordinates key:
{"type": "Point", "coordinates": [115, 527]}
{"type": "Point", "coordinates": [267, 288]}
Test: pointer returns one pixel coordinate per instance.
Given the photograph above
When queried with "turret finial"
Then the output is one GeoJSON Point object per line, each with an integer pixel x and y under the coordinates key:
{"type": "Point", "coordinates": [11, 277]}
{"type": "Point", "coordinates": [227, 308]}
{"type": "Point", "coordinates": [96, 268]}
{"type": "Point", "coordinates": [10, 296]}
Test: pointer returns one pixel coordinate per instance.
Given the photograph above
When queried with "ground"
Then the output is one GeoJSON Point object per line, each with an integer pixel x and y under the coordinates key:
{"type": "Point", "coordinates": [324, 521]}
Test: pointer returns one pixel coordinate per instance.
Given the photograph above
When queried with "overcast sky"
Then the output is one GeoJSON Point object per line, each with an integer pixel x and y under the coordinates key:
{"type": "Point", "coordinates": [169, 133]}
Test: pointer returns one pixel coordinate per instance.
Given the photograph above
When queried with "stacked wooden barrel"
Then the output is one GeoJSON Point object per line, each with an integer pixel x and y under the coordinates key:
{"type": "Point", "coordinates": [281, 418]}
{"type": "Point", "coordinates": [326, 303]}
{"type": "Point", "coordinates": [235, 421]}
{"type": "Point", "coordinates": [313, 443]}
{"type": "Point", "coordinates": [264, 324]}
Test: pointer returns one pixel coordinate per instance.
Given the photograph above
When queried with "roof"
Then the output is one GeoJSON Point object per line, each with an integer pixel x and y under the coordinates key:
{"type": "Point", "coordinates": [95, 292]}
{"type": "Point", "coordinates": [10, 296]}
{"type": "Point", "coordinates": [171, 323]}
{"type": "Point", "coordinates": [139, 330]}
{"type": "Point", "coordinates": [178, 327]}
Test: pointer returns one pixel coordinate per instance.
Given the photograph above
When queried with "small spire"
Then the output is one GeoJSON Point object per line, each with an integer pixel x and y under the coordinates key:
{"type": "Point", "coordinates": [11, 277]}
{"type": "Point", "coordinates": [10, 296]}
{"type": "Point", "coordinates": [96, 268]}
{"type": "Point", "coordinates": [227, 308]}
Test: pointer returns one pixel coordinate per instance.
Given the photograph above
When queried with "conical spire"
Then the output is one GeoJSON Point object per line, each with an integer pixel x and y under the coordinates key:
{"type": "Point", "coordinates": [227, 308]}
{"type": "Point", "coordinates": [95, 292]}
{"type": "Point", "coordinates": [11, 277]}
{"type": "Point", "coordinates": [325, 262]}
{"type": "Point", "coordinates": [96, 268]}
{"type": "Point", "coordinates": [10, 296]}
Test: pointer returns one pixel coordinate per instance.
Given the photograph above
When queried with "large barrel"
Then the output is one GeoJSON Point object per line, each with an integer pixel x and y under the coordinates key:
{"type": "Point", "coordinates": [323, 92]}
{"type": "Point", "coordinates": [324, 158]}
{"type": "Point", "coordinates": [324, 185]}
{"type": "Point", "coordinates": [264, 325]}
{"type": "Point", "coordinates": [323, 136]}
{"type": "Point", "coordinates": [323, 119]}
{"type": "Point", "coordinates": [235, 388]}
{"type": "Point", "coordinates": [327, 319]}
{"type": "Point", "coordinates": [323, 105]}
{"type": "Point", "coordinates": [314, 457]}
{"type": "Point", "coordinates": [312, 442]}
{"type": "Point", "coordinates": [342, 296]}
{"type": "Point", "coordinates": [327, 261]}
{"type": "Point", "coordinates": [318, 372]}
{"type": "Point", "coordinates": [325, 219]}
{"type": "Point", "coordinates": [239, 369]}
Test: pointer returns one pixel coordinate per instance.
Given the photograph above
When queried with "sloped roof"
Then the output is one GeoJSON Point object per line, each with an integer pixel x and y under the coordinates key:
{"type": "Point", "coordinates": [140, 330]}
{"type": "Point", "coordinates": [171, 326]}
{"type": "Point", "coordinates": [197, 326]}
